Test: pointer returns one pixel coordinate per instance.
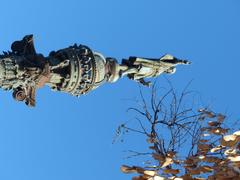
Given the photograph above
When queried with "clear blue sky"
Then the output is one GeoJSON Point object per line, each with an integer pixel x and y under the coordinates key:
{"type": "Point", "coordinates": [66, 138]}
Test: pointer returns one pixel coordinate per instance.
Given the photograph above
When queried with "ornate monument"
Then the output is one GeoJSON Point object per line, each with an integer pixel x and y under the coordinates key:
{"type": "Point", "coordinates": [76, 70]}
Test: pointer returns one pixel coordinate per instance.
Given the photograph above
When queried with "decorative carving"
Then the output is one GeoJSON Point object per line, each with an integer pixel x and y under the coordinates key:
{"type": "Point", "coordinates": [76, 70]}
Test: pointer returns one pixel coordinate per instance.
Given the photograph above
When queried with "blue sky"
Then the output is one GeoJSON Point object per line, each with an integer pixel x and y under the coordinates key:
{"type": "Point", "coordinates": [66, 138]}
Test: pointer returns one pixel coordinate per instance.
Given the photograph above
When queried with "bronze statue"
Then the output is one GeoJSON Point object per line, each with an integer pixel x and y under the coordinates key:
{"type": "Point", "coordinates": [75, 70]}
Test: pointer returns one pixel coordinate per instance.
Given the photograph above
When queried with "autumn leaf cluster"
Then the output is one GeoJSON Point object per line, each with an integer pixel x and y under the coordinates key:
{"type": "Point", "coordinates": [199, 145]}
{"type": "Point", "coordinates": [217, 156]}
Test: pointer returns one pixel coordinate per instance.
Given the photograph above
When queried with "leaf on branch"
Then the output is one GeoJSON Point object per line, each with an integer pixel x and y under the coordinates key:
{"type": "Point", "coordinates": [201, 169]}
{"type": "Point", "coordinates": [203, 140]}
{"type": "Point", "coordinates": [217, 148]}
{"type": "Point", "coordinates": [127, 169]}
{"type": "Point", "coordinates": [139, 178]}
{"type": "Point", "coordinates": [145, 177]}
{"type": "Point", "coordinates": [204, 148]}
{"type": "Point", "coordinates": [211, 159]}
{"type": "Point", "coordinates": [195, 171]}
{"type": "Point", "coordinates": [149, 173]}
{"type": "Point", "coordinates": [133, 169]}
{"type": "Point", "coordinates": [171, 171]}
{"type": "Point", "coordinates": [234, 158]}
{"type": "Point", "coordinates": [206, 169]}
{"type": "Point", "coordinates": [167, 162]}
{"type": "Point", "coordinates": [230, 137]}
{"type": "Point", "coordinates": [202, 157]}
{"type": "Point", "coordinates": [186, 177]}
{"type": "Point", "coordinates": [230, 140]}
{"type": "Point", "coordinates": [210, 114]}
{"type": "Point", "coordinates": [190, 161]}
{"type": "Point", "coordinates": [171, 154]}
{"type": "Point", "coordinates": [151, 140]}
{"type": "Point", "coordinates": [237, 133]}
{"type": "Point", "coordinates": [213, 123]}
{"type": "Point", "coordinates": [152, 148]}
{"type": "Point", "coordinates": [218, 131]}
{"type": "Point", "coordinates": [157, 178]}
{"type": "Point", "coordinates": [176, 178]}
{"type": "Point", "coordinates": [231, 152]}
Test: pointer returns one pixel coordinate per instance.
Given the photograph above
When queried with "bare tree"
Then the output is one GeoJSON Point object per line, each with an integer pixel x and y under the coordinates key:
{"type": "Point", "coordinates": [185, 142]}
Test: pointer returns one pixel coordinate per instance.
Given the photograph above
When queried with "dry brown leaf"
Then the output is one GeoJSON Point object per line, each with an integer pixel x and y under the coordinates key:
{"type": "Point", "coordinates": [171, 154]}
{"type": "Point", "coordinates": [199, 170]}
{"type": "Point", "coordinates": [211, 177]}
{"type": "Point", "coordinates": [171, 171]}
{"type": "Point", "coordinates": [139, 178]}
{"type": "Point", "coordinates": [133, 169]}
{"type": "Point", "coordinates": [228, 174]}
{"type": "Point", "coordinates": [151, 147]}
{"type": "Point", "coordinates": [230, 140]}
{"type": "Point", "coordinates": [206, 169]}
{"type": "Point", "coordinates": [217, 148]}
{"type": "Point", "coordinates": [149, 173]}
{"type": "Point", "coordinates": [190, 161]}
{"type": "Point", "coordinates": [187, 177]}
{"type": "Point", "coordinates": [213, 123]}
{"type": "Point", "coordinates": [128, 169]}
{"type": "Point", "coordinates": [203, 140]}
{"type": "Point", "coordinates": [194, 171]}
{"type": "Point", "coordinates": [176, 178]}
{"type": "Point", "coordinates": [212, 159]}
{"type": "Point", "coordinates": [210, 114]}
{"type": "Point", "coordinates": [234, 158]}
{"type": "Point", "coordinates": [201, 157]}
{"type": "Point", "coordinates": [218, 131]}
{"type": "Point", "coordinates": [230, 137]}
{"type": "Point", "coordinates": [237, 133]}
{"type": "Point", "coordinates": [231, 173]}
{"type": "Point", "coordinates": [167, 162]}
{"type": "Point", "coordinates": [158, 178]}
{"type": "Point", "coordinates": [204, 148]}
{"type": "Point", "coordinates": [230, 152]}
{"type": "Point", "coordinates": [151, 140]}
